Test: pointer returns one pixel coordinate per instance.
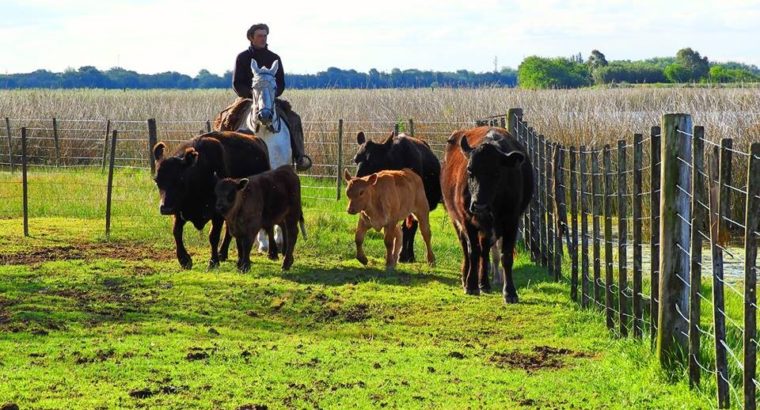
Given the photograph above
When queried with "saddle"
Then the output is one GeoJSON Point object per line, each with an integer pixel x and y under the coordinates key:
{"type": "Point", "coordinates": [230, 118]}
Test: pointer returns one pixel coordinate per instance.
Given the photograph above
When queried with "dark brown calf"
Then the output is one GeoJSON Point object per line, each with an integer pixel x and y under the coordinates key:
{"type": "Point", "coordinates": [261, 202]}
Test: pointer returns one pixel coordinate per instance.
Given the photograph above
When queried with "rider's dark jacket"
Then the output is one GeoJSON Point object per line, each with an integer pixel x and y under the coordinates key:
{"type": "Point", "coordinates": [243, 76]}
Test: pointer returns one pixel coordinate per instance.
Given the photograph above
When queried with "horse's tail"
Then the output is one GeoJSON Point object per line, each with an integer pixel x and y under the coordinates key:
{"type": "Point", "coordinates": [303, 228]}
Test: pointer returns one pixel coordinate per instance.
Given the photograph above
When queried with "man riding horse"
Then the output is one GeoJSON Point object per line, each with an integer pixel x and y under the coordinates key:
{"type": "Point", "coordinates": [241, 83]}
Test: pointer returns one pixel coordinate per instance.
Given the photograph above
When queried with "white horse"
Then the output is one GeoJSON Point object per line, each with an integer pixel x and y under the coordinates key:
{"type": "Point", "coordinates": [263, 120]}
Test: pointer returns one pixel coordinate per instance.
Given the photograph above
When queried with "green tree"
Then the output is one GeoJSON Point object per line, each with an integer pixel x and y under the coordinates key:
{"type": "Point", "coordinates": [596, 60]}
{"type": "Point", "coordinates": [677, 73]}
{"type": "Point", "coordinates": [697, 66]}
{"type": "Point", "coordinates": [537, 72]}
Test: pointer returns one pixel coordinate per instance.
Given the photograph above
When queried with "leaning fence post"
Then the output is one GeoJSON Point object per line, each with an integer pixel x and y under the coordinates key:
{"type": "Point", "coordinates": [608, 274]}
{"type": "Point", "coordinates": [717, 165]}
{"type": "Point", "coordinates": [152, 141]}
{"type": "Point", "coordinates": [585, 285]}
{"type": "Point", "coordinates": [638, 312]}
{"type": "Point", "coordinates": [654, 229]}
{"type": "Point", "coordinates": [674, 236]}
{"type": "Point", "coordinates": [105, 145]}
{"type": "Point", "coordinates": [109, 188]}
{"type": "Point", "coordinates": [752, 218]}
{"type": "Point", "coordinates": [340, 158]}
{"type": "Point", "coordinates": [574, 216]}
{"type": "Point", "coordinates": [622, 193]}
{"type": "Point", "coordinates": [24, 181]}
{"type": "Point", "coordinates": [695, 277]}
{"type": "Point", "coordinates": [57, 145]}
{"type": "Point", "coordinates": [10, 141]}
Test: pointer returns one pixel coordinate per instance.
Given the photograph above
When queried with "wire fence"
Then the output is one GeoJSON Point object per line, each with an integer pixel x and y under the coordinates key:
{"type": "Point", "coordinates": [698, 204]}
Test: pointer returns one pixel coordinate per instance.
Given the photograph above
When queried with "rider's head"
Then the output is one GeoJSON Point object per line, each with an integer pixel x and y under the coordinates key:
{"type": "Point", "coordinates": [257, 35]}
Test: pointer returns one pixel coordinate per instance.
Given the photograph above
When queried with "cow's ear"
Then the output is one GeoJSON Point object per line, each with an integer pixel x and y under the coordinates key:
{"type": "Point", "coordinates": [388, 141]}
{"type": "Point", "coordinates": [453, 137]}
{"type": "Point", "coordinates": [346, 175]}
{"type": "Point", "coordinates": [512, 159]}
{"type": "Point", "coordinates": [190, 157]}
{"type": "Point", "coordinates": [466, 148]}
{"type": "Point", "coordinates": [372, 179]}
{"type": "Point", "coordinates": [242, 183]}
{"type": "Point", "coordinates": [360, 138]}
{"type": "Point", "coordinates": [158, 151]}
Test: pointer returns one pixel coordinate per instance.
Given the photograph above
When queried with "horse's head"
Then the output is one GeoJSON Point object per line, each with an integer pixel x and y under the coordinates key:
{"type": "Point", "coordinates": [263, 89]}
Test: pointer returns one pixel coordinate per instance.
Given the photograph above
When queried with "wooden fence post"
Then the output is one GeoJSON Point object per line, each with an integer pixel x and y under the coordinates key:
{"type": "Point", "coordinates": [574, 216]}
{"type": "Point", "coordinates": [57, 145]}
{"type": "Point", "coordinates": [152, 141]}
{"type": "Point", "coordinates": [585, 285]}
{"type": "Point", "coordinates": [411, 127]}
{"type": "Point", "coordinates": [717, 211]}
{"type": "Point", "coordinates": [395, 129]}
{"type": "Point", "coordinates": [549, 196]}
{"type": "Point", "coordinates": [622, 193]}
{"type": "Point", "coordinates": [24, 181]}
{"type": "Point", "coordinates": [339, 176]}
{"type": "Point", "coordinates": [560, 224]}
{"type": "Point", "coordinates": [654, 230]}
{"type": "Point", "coordinates": [10, 141]}
{"type": "Point", "coordinates": [208, 126]}
{"type": "Point", "coordinates": [674, 236]}
{"type": "Point", "coordinates": [751, 221]}
{"type": "Point", "coordinates": [105, 145]}
{"type": "Point", "coordinates": [542, 198]}
{"type": "Point", "coordinates": [109, 188]}
{"type": "Point", "coordinates": [695, 277]}
{"type": "Point", "coordinates": [608, 274]}
{"type": "Point", "coordinates": [638, 312]}
{"type": "Point", "coordinates": [596, 213]}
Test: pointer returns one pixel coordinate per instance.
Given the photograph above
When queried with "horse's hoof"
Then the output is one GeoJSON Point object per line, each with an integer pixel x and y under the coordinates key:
{"type": "Point", "coordinates": [185, 262]}
{"type": "Point", "coordinates": [510, 299]}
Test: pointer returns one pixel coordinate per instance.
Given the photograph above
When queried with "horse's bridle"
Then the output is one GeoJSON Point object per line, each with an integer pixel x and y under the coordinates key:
{"type": "Point", "coordinates": [262, 84]}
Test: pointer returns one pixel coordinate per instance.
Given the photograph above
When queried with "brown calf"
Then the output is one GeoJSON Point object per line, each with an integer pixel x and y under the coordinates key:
{"type": "Point", "coordinates": [261, 202]}
{"type": "Point", "coordinates": [383, 199]}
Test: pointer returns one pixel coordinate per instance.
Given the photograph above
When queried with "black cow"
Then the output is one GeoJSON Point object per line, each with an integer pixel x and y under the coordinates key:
{"type": "Point", "coordinates": [486, 189]}
{"type": "Point", "coordinates": [186, 182]}
{"type": "Point", "coordinates": [396, 154]}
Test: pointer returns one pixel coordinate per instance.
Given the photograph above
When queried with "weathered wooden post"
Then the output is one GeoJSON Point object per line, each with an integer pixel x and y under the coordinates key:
{"type": "Point", "coordinates": [10, 142]}
{"type": "Point", "coordinates": [695, 278]}
{"type": "Point", "coordinates": [585, 285]}
{"type": "Point", "coordinates": [549, 196]}
{"type": "Point", "coordinates": [574, 216]}
{"type": "Point", "coordinates": [152, 141]}
{"type": "Point", "coordinates": [638, 311]}
{"type": "Point", "coordinates": [596, 202]}
{"type": "Point", "coordinates": [542, 198]}
{"type": "Point", "coordinates": [57, 145]}
{"type": "Point", "coordinates": [654, 229]}
{"type": "Point", "coordinates": [560, 224]}
{"type": "Point", "coordinates": [752, 218]}
{"type": "Point", "coordinates": [339, 176]}
{"type": "Point", "coordinates": [109, 188]}
{"type": "Point", "coordinates": [411, 127]}
{"type": "Point", "coordinates": [208, 126]}
{"type": "Point", "coordinates": [24, 182]}
{"type": "Point", "coordinates": [105, 146]}
{"type": "Point", "coordinates": [674, 236]}
{"type": "Point", "coordinates": [608, 273]}
{"type": "Point", "coordinates": [622, 193]}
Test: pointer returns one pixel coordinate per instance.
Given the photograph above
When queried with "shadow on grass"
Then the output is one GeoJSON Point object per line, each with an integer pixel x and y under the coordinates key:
{"type": "Point", "coordinates": [344, 276]}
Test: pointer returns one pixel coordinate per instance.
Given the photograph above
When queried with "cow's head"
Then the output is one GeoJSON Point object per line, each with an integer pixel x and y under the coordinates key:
{"type": "Point", "coordinates": [358, 191]}
{"type": "Point", "coordinates": [484, 165]}
{"type": "Point", "coordinates": [172, 177]}
{"type": "Point", "coordinates": [371, 156]}
{"type": "Point", "coordinates": [226, 191]}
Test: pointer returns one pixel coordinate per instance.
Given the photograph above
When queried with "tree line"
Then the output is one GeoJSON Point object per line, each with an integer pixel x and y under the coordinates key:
{"type": "Point", "coordinates": [534, 72]}
{"type": "Point", "coordinates": [120, 78]}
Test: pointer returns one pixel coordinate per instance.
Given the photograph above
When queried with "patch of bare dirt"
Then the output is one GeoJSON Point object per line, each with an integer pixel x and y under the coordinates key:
{"type": "Point", "coordinates": [114, 250]}
{"type": "Point", "coordinates": [543, 357]}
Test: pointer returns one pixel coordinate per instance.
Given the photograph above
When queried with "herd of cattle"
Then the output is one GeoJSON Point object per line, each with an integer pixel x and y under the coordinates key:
{"type": "Point", "coordinates": [485, 183]}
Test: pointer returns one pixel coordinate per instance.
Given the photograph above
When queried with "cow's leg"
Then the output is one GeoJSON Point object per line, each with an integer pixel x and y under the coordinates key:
{"type": "Point", "coordinates": [407, 248]}
{"type": "Point", "coordinates": [272, 251]}
{"type": "Point", "coordinates": [507, 259]}
{"type": "Point", "coordinates": [289, 237]}
{"type": "Point", "coordinates": [424, 220]}
{"type": "Point", "coordinates": [182, 256]}
{"type": "Point", "coordinates": [391, 239]}
{"type": "Point", "coordinates": [484, 284]}
{"type": "Point", "coordinates": [224, 249]}
{"type": "Point", "coordinates": [471, 287]}
{"type": "Point", "coordinates": [217, 222]}
{"type": "Point", "coordinates": [361, 230]}
{"type": "Point", "coordinates": [240, 244]}
{"type": "Point", "coordinates": [466, 258]}
{"type": "Point", "coordinates": [247, 246]}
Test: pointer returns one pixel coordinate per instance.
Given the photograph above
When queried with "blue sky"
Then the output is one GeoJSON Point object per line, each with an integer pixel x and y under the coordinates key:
{"type": "Point", "coordinates": [152, 36]}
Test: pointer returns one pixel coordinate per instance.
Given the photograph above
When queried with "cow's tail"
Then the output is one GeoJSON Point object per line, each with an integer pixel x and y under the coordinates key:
{"type": "Point", "coordinates": [302, 226]}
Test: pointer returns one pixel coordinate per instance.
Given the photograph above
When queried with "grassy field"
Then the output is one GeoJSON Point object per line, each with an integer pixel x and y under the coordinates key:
{"type": "Point", "coordinates": [87, 322]}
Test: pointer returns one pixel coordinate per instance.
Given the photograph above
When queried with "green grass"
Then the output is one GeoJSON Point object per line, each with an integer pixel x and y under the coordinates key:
{"type": "Point", "coordinates": [90, 323]}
